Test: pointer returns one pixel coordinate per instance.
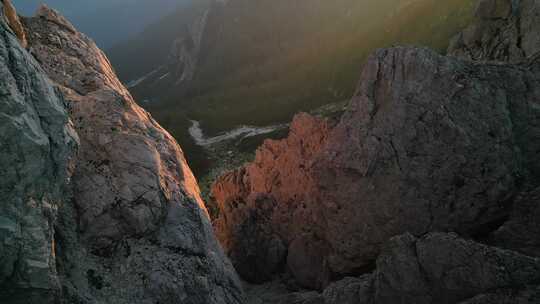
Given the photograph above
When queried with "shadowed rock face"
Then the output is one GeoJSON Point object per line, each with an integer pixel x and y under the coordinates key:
{"type": "Point", "coordinates": [130, 227]}
{"type": "Point", "coordinates": [522, 230]}
{"type": "Point", "coordinates": [37, 143]}
{"type": "Point", "coordinates": [438, 268]}
{"type": "Point", "coordinates": [13, 21]}
{"type": "Point", "coordinates": [433, 144]}
{"type": "Point", "coordinates": [442, 268]}
{"type": "Point", "coordinates": [430, 143]}
{"type": "Point", "coordinates": [504, 30]}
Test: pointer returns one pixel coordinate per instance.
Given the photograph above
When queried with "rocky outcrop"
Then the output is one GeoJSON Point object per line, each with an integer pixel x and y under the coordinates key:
{"type": "Point", "coordinates": [124, 221]}
{"type": "Point", "coordinates": [256, 202]}
{"type": "Point", "coordinates": [504, 30]}
{"type": "Point", "coordinates": [443, 268]}
{"type": "Point", "coordinates": [37, 143]}
{"type": "Point", "coordinates": [429, 143]}
{"type": "Point", "coordinates": [347, 291]}
{"type": "Point", "coordinates": [406, 157]}
{"type": "Point", "coordinates": [186, 50]}
{"type": "Point", "coordinates": [12, 19]}
{"type": "Point", "coordinates": [522, 230]}
{"type": "Point", "coordinates": [436, 268]}
{"type": "Point", "coordinates": [414, 161]}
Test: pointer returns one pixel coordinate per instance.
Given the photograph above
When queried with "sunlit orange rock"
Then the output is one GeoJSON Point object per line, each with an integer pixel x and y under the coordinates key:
{"type": "Point", "coordinates": [270, 197]}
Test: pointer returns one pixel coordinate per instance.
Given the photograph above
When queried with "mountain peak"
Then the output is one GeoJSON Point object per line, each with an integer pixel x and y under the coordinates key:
{"type": "Point", "coordinates": [54, 16]}
{"type": "Point", "coordinates": [13, 21]}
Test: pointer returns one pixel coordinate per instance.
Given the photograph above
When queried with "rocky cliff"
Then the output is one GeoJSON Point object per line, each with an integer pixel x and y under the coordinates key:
{"type": "Point", "coordinates": [504, 30]}
{"type": "Point", "coordinates": [425, 191]}
{"type": "Point", "coordinates": [100, 205]}
{"type": "Point", "coordinates": [429, 144]}
{"type": "Point", "coordinates": [37, 144]}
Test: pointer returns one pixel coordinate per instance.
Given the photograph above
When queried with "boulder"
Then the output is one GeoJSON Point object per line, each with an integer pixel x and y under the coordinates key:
{"type": "Point", "coordinates": [13, 21]}
{"type": "Point", "coordinates": [437, 268]}
{"type": "Point", "coordinates": [350, 291]}
{"type": "Point", "coordinates": [443, 268]}
{"type": "Point", "coordinates": [508, 296]}
{"type": "Point", "coordinates": [521, 232]}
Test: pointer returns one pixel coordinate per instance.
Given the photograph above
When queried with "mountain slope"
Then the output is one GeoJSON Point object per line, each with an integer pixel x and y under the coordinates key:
{"type": "Point", "coordinates": [98, 202]}
{"type": "Point", "coordinates": [429, 144]}
{"type": "Point", "coordinates": [259, 62]}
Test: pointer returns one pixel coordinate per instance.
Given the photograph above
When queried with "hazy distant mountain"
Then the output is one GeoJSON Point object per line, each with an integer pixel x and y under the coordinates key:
{"type": "Point", "coordinates": [258, 62]}
{"type": "Point", "coordinates": [245, 62]}
{"type": "Point", "coordinates": [107, 21]}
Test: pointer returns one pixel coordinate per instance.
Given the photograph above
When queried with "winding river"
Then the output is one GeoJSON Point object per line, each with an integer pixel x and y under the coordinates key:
{"type": "Point", "coordinates": [196, 132]}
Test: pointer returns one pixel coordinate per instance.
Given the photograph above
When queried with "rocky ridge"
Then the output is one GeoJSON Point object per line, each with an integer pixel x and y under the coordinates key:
{"type": "Point", "coordinates": [101, 204]}
{"type": "Point", "coordinates": [429, 144]}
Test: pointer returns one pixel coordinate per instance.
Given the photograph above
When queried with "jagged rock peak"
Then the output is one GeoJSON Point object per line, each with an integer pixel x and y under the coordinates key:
{"type": "Point", "coordinates": [504, 30]}
{"type": "Point", "coordinates": [13, 21]}
{"type": "Point", "coordinates": [53, 15]}
{"type": "Point", "coordinates": [82, 66]}
{"type": "Point", "coordinates": [496, 9]}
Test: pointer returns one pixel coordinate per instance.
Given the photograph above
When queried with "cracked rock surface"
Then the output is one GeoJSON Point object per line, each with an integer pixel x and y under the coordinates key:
{"type": "Point", "coordinates": [504, 30]}
{"type": "Point", "coordinates": [37, 143]}
{"type": "Point", "coordinates": [123, 221]}
{"type": "Point", "coordinates": [429, 143]}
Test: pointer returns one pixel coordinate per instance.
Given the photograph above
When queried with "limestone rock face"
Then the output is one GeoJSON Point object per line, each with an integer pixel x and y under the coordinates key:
{"type": "Point", "coordinates": [130, 226]}
{"type": "Point", "coordinates": [350, 291]}
{"type": "Point", "coordinates": [129, 170]}
{"type": "Point", "coordinates": [37, 143]}
{"type": "Point", "coordinates": [437, 268]}
{"type": "Point", "coordinates": [507, 296]}
{"type": "Point", "coordinates": [257, 204]}
{"type": "Point", "coordinates": [522, 230]}
{"type": "Point", "coordinates": [186, 50]}
{"type": "Point", "coordinates": [12, 19]}
{"type": "Point", "coordinates": [504, 30]}
{"type": "Point", "coordinates": [430, 143]}
{"type": "Point", "coordinates": [443, 268]}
